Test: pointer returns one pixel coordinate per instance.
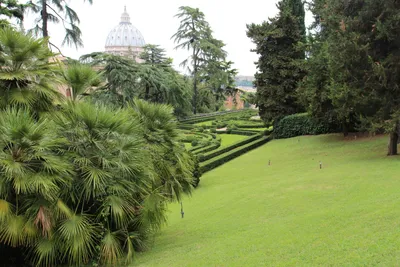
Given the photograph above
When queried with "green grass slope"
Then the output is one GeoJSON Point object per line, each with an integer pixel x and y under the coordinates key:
{"type": "Point", "coordinates": [229, 139]}
{"type": "Point", "coordinates": [246, 213]}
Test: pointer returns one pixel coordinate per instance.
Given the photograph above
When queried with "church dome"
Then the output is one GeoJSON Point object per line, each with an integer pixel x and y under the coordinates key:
{"type": "Point", "coordinates": [125, 34]}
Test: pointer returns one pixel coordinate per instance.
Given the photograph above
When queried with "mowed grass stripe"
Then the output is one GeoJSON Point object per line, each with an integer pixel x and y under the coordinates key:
{"type": "Point", "coordinates": [246, 213]}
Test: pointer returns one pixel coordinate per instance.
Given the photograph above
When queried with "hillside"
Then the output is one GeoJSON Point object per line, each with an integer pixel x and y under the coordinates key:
{"type": "Point", "coordinates": [246, 213]}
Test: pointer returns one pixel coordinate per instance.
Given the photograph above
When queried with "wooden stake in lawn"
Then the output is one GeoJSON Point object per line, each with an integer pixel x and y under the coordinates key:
{"type": "Point", "coordinates": [182, 212]}
{"type": "Point", "coordinates": [269, 162]}
{"type": "Point", "coordinates": [320, 165]}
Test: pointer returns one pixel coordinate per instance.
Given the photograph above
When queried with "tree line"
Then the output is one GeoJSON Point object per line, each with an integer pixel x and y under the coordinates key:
{"type": "Point", "coordinates": [344, 72]}
{"type": "Point", "coordinates": [209, 76]}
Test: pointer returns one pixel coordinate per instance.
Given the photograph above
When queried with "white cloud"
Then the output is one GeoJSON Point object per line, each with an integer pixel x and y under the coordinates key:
{"type": "Point", "coordinates": [155, 19]}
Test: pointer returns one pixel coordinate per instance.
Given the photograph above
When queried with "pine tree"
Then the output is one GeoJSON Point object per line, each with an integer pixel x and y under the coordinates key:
{"type": "Point", "coordinates": [363, 63]}
{"type": "Point", "coordinates": [280, 66]}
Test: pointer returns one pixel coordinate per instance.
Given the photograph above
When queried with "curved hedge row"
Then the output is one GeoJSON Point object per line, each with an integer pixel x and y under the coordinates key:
{"type": "Point", "coordinates": [218, 161]}
{"type": "Point", "coordinates": [218, 152]}
{"type": "Point", "coordinates": [207, 148]}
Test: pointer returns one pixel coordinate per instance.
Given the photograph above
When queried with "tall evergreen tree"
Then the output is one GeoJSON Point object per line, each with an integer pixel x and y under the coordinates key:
{"type": "Point", "coordinates": [11, 9]}
{"type": "Point", "coordinates": [195, 34]}
{"type": "Point", "coordinates": [280, 66]}
{"type": "Point", "coordinates": [57, 11]}
{"type": "Point", "coordinates": [369, 60]}
{"type": "Point", "coordinates": [297, 10]}
{"type": "Point", "coordinates": [354, 65]}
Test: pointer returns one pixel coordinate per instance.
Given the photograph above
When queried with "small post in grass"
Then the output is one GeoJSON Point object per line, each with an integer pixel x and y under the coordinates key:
{"type": "Point", "coordinates": [320, 165]}
{"type": "Point", "coordinates": [182, 212]}
{"type": "Point", "coordinates": [269, 162]}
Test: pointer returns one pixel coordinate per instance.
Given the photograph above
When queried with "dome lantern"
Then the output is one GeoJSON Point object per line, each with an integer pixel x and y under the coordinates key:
{"type": "Point", "coordinates": [125, 18]}
{"type": "Point", "coordinates": [125, 39]}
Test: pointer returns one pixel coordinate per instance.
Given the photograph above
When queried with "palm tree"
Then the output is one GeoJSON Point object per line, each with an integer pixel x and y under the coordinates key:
{"type": "Point", "coordinates": [28, 73]}
{"type": "Point", "coordinates": [33, 173]}
{"type": "Point", "coordinates": [57, 11]}
{"type": "Point", "coordinates": [81, 79]}
{"type": "Point", "coordinates": [11, 9]}
{"type": "Point", "coordinates": [112, 182]}
{"type": "Point", "coordinates": [161, 133]}
{"type": "Point", "coordinates": [88, 183]}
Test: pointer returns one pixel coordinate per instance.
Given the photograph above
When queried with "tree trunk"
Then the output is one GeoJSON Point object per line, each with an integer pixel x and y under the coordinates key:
{"type": "Point", "coordinates": [194, 82]}
{"type": "Point", "coordinates": [345, 130]}
{"type": "Point", "coordinates": [44, 19]}
{"type": "Point", "coordinates": [217, 100]}
{"type": "Point", "coordinates": [394, 138]}
{"type": "Point", "coordinates": [147, 93]}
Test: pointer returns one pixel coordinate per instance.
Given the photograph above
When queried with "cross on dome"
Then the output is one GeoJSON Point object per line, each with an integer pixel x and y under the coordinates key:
{"type": "Point", "coordinates": [125, 18]}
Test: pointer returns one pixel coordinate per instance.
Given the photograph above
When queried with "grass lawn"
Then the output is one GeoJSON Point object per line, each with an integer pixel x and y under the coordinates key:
{"type": "Point", "coordinates": [246, 213]}
{"type": "Point", "coordinates": [204, 123]}
{"type": "Point", "coordinates": [229, 139]}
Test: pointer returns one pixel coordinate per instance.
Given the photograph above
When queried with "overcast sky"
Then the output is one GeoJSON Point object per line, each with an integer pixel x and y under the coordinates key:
{"type": "Point", "coordinates": [155, 20]}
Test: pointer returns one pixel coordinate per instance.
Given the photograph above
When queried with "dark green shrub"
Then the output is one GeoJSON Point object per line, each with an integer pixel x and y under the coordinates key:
{"type": "Point", "coordinates": [221, 125]}
{"type": "Point", "coordinates": [251, 126]}
{"type": "Point", "coordinates": [196, 172]}
{"type": "Point", "coordinates": [300, 124]}
{"type": "Point", "coordinates": [242, 132]}
{"type": "Point", "coordinates": [195, 142]}
{"type": "Point", "coordinates": [207, 148]}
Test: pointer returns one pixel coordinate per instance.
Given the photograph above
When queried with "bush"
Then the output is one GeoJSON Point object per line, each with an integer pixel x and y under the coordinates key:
{"type": "Point", "coordinates": [300, 124]}
{"type": "Point", "coordinates": [218, 161]}
{"type": "Point", "coordinates": [221, 125]}
{"type": "Point", "coordinates": [208, 148]}
{"type": "Point", "coordinates": [251, 126]}
{"type": "Point", "coordinates": [196, 172]}
{"type": "Point", "coordinates": [195, 143]}
{"type": "Point", "coordinates": [212, 154]}
{"type": "Point", "coordinates": [242, 132]}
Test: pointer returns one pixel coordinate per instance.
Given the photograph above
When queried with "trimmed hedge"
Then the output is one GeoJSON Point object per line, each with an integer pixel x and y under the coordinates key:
{"type": "Point", "coordinates": [207, 148]}
{"type": "Point", "coordinates": [218, 152]}
{"type": "Point", "coordinates": [218, 161]}
{"type": "Point", "coordinates": [251, 126]}
{"type": "Point", "coordinates": [185, 126]}
{"type": "Point", "coordinates": [213, 114]}
{"type": "Point", "coordinates": [242, 132]}
{"type": "Point", "coordinates": [299, 124]}
{"type": "Point", "coordinates": [226, 115]}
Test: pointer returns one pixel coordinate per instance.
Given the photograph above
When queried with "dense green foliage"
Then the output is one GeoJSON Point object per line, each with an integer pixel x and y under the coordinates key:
{"type": "Point", "coordinates": [57, 12]}
{"type": "Point", "coordinates": [153, 80]}
{"type": "Point", "coordinates": [11, 9]}
{"type": "Point", "coordinates": [212, 75]}
{"type": "Point", "coordinates": [300, 124]}
{"type": "Point", "coordinates": [81, 183]}
{"type": "Point", "coordinates": [280, 66]}
{"type": "Point", "coordinates": [349, 77]}
{"type": "Point", "coordinates": [27, 78]}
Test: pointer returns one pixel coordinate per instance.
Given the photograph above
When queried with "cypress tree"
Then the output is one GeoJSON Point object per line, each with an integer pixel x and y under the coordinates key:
{"type": "Point", "coordinates": [280, 65]}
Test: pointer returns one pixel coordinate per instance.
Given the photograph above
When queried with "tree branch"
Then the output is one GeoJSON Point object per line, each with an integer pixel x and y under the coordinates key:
{"type": "Point", "coordinates": [50, 43]}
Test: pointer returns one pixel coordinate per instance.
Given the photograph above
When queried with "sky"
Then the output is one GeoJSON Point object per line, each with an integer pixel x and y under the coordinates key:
{"type": "Point", "coordinates": [155, 20]}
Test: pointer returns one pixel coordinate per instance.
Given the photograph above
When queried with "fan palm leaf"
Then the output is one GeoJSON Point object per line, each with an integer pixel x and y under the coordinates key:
{"type": "Point", "coordinates": [27, 75]}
